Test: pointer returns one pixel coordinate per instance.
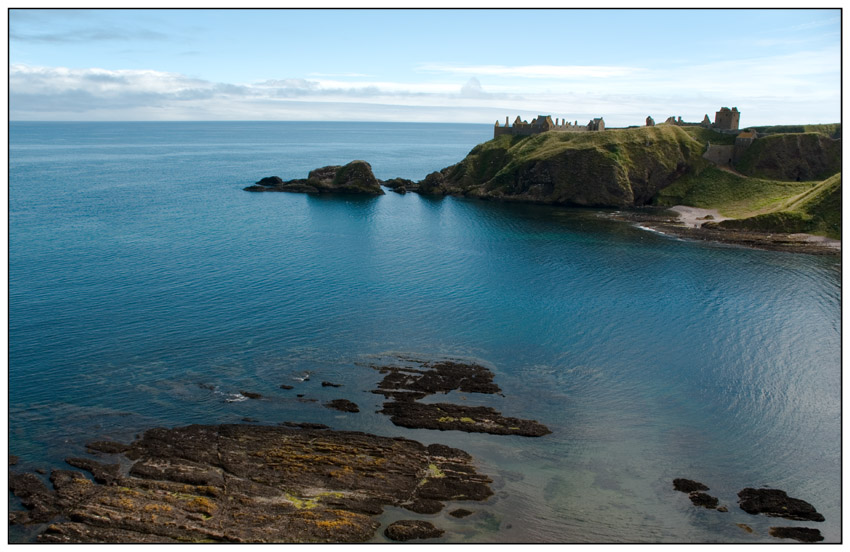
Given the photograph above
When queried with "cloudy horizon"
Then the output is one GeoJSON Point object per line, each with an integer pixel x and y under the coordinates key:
{"type": "Point", "coordinates": [100, 65]}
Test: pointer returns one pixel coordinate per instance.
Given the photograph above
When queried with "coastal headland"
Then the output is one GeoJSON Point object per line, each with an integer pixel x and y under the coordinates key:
{"type": "Point", "coordinates": [768, 187]}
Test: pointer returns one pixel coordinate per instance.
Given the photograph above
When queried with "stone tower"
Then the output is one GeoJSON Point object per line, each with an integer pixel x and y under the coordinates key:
{"type": "Point", "coordinates": [727, 119]}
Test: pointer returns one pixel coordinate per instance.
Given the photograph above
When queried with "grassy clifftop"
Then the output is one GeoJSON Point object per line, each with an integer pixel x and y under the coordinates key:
{"type": "Point", "coordinates": [785, 182]}
{"type": "Point", "coordinates": [613, 168]}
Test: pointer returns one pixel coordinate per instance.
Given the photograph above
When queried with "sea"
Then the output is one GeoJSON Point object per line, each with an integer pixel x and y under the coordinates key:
{"type": "Point", "coordinates": [147, 289]}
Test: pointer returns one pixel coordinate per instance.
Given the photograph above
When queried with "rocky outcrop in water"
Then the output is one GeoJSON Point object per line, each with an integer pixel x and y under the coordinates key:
{"type": "Point", "coordinates": [354, 178]}
{"type": "Point", "coordinates": [776, 503]}
{"type": "Point", "coordinates": [694, 491]}
{"type": "Point", "coordinates": [407, 385]}
{"type": "Point", "coordinates": [239, 483]}
{"type": "Point", "coordinates": [801, 534]}
{"type": "Point", "coordinates": [343, 405]}
{"type": "Point", "coordinates": [688, 485]}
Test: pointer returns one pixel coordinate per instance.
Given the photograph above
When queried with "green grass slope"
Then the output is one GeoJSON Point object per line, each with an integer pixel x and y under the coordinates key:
{"type": "Point", "coordinates": [623, 167]}
{"type": "Point", "coordinates": [804, 156]}
{"type": "Point", "coordinates": [814, 211]}
{"type": "Point", "coordinates": [733, 194]}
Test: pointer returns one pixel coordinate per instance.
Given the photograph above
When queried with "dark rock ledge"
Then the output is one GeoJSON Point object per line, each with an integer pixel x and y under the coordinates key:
{"type": "Point", "coordinates": [354, 178]}
{"type": "Point", "coordinates": [802, 534]}
{"type": "Point", "coordinates": [241, 483]}
{"type": "Point", "coordinates": [777, 503]}
{"type": "Point", "coordinates": [406, 386]}
{"type": "Point", "coordinates": [694, 491]}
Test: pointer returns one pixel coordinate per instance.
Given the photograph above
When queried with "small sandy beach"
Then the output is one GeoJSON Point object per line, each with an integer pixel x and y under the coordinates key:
{"type": "Point", "coordinates": [694, 217]}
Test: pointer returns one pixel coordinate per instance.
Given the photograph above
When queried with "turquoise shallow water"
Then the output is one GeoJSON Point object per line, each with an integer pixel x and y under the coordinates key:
{"type": "Point", "coordinates": [147, 289]}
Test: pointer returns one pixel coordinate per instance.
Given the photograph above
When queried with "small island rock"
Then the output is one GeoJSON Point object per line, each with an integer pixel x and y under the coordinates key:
{"type": "Point", "coordinates": [355, 177]}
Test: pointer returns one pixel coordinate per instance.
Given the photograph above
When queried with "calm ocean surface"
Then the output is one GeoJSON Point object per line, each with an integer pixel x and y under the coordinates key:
{"type": "Point", "coordinates": [146, 289]}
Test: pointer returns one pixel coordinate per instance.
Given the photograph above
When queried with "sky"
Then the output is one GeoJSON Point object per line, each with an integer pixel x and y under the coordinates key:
{"type": "Point", "coordinates": [777, 66]}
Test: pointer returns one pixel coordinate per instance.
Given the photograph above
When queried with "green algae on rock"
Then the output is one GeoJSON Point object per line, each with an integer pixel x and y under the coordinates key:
{"type": "Point", "coordinates": [239, 483]}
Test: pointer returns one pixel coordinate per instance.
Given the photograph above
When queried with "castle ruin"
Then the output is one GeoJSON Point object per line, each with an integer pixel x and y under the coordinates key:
{"type": "Point", "coordinates": [726, 120]}
{"type": "Point", "coordinates": [544, 123]}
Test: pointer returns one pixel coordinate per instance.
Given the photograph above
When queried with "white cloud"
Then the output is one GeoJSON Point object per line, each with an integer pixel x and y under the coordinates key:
{"type": "Point", "coordinates": [795, 88]}
{"type": "Point", "coordinates": [533, 71]}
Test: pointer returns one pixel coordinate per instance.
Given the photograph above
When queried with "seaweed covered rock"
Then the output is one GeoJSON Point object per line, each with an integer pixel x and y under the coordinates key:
{"type": "Point", "coordinates": [240, 483]}
{"type": "Point", "coordinates": [776, 503]}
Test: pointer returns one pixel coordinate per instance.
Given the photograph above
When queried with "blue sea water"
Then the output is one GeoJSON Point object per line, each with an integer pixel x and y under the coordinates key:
{"type": "Point", "coordinates": [147, 289]}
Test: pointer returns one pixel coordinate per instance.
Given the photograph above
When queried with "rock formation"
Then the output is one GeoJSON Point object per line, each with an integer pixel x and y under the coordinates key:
{"type": "Point", "coordinates": [240, 483]}
{"type": "Point", "coordinates": [354, 178]}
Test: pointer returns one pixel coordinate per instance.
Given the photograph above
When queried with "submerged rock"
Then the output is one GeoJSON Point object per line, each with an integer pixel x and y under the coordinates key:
{"type": "Point", "coordinates": [409, 529]}
{"type": "Point", "coordinates": [354, 178]}
{"type": "Point", "coordinates": [461, 513]}
{"type": "Point", "coordinates": [440, 377]}
{"type": "Point", "coordinates": [776, 503]}
{"type": "Point", "coordinates": [240, 483]}
{"type": "Point", "coordinates": [108, 447]}
{"type": "Point", "coordinates": [343, 405]}
{"type": "Point", "coordinates": [802, 534]}
{"type": "Point", "coordinates": [703, 499]}
{"type": "Point", "coordinates": [401, 185]}
{"type": "Point", "coordinates": [473, 419]}
{"type": "Point", "coordinates": [688, 485]}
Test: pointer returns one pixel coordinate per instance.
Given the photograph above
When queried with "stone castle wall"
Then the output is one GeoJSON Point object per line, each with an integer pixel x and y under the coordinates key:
{"type": "Point", "coordinates": [544, 123]}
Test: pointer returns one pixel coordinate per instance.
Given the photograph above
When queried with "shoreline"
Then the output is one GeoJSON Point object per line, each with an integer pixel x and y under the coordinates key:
{"type": "Point", "coordinates": [684, 222]}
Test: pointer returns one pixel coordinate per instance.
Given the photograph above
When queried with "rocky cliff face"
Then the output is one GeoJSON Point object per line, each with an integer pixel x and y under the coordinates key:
{"type": "Point", "coordinates": [612, 169]}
